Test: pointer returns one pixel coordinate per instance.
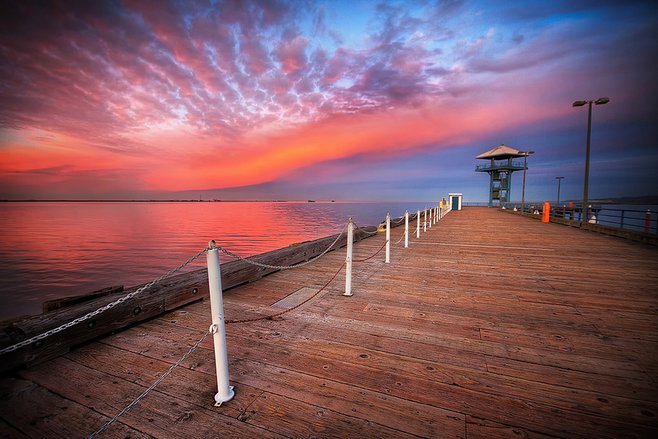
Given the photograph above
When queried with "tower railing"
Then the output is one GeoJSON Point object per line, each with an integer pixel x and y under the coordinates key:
{"type": "Point", "coordinates": [515, 165]}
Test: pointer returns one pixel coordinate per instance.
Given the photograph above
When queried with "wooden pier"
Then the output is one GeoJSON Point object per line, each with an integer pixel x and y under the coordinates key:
{"type": "Point", "coordinates": [490, 325]}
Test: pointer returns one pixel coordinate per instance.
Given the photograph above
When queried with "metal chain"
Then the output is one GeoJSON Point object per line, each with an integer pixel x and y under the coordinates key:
{"type": "Point", "coordinates": [147, 391]}
{"type": "Point", "coordinates": [100, 310]}
{"type": "Point", "coordinates": [373, 255]}
{"type": "Point", "coordinates": [271, 316]}
{"type": "Point", "coordinates": [365, 231]}
{"type": "Point", "coordinates": [282, 267]}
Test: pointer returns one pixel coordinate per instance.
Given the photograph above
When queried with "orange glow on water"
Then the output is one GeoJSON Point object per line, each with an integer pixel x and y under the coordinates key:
{"type": "Point", "coordinates": [61, 249]}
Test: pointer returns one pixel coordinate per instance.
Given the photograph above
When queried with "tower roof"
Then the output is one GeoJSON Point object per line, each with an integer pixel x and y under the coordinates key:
{"type": "Point", "coordinates": [500, 152]}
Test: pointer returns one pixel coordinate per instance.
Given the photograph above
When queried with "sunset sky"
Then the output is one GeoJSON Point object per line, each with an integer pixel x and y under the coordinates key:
{"type": "Point", "coordinates": [345, 100]}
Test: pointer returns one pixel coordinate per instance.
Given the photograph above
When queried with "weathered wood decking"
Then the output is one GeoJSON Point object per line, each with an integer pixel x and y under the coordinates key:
{"type": "Point", "coordinates": [538, 331]}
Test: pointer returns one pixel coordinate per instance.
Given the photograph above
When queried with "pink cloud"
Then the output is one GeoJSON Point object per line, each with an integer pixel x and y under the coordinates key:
{"type": "Point", "coordinates": [198, 95]}
{"type": "Point", "coordinates": [292, 55]}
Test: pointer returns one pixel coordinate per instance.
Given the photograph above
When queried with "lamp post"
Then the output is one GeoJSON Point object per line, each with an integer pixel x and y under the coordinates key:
{"type": "Point", "coordinates": [599, 101]}
{"type": "Point", "coordinates": [525, 166]}
{"type": "Point", "coordinates": [559, 180]}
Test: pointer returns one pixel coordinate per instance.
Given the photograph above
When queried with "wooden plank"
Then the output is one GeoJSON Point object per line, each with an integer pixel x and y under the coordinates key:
{"type": "Point", "coordinates": [314, 355]}
{"type": "Point", "coordinates": [633, 388]}
{"type": "Point", "coordinates": [325, 362]}
{"type": "Point", "coordinates": [157, 415]}
{"type": "Point", "coordinates": [447, 340]}
{"type": "Point", "coordinates": [183, 383]}
{"type": "Point", "coordinates": [563, 337]}
{"type": "Point", "coordinates": [478, 428]}
{"type": "Point", "coordinates": [269, 411]}
{"type": "Point", "coordinates": [352, 332]}
{"type": "Point", "coordinates": [375, 407]}
{"type": "Point", "coordinates": [396, 389]}
{"type": "Point", "coordinates": [34, 411]}
{"type": "Point", "coordinates": [63, 302]}
{"type": "Point", "coordinates": [301, 420]}
{"type": "Point", "coordinates": [9, 432]}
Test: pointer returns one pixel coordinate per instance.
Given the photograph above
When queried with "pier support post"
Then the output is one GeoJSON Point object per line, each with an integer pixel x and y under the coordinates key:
{"type": "Point", "coordinates": [388, 238]}
{"type": "Point", "coordinates": [224, 390]}
{"type": "Point", "coordinates": [348, 258]}
{"type": "Point", "coordinates": [418, 224]}
{"type": "Point", "coordinates": [406, 229]}
{"type": "Point", "coordinates": [425, 221]}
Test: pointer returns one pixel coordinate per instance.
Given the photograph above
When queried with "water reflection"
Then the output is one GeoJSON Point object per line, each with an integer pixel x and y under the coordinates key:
{"type": "Point", "coordinates": [52, 250]}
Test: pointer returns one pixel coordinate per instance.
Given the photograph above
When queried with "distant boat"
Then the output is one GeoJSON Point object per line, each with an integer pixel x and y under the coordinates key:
{"type": "Point", "coordinates": [311, 201]}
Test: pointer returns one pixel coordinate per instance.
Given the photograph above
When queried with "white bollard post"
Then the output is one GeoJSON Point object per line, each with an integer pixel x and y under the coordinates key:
{"type": "Point", "coordinates": [418, 224]}
{"type": "Point", "coordinates": [425, 221]}
{"type": "Point", "coordinates": [224, 390]}
{"type": "Point", "coordinates": [406, 229]}
{"type": "Point", "coordinates": [431, 218]}
{"type": "Point", "coordinates": [348, 259]}
{"type": "Point", "coordinates": [436, 214]}
{"type": "Point", "coordinates": [388, 238]}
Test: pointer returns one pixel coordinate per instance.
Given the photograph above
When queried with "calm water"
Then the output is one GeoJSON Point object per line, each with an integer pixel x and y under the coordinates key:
{"type": "Point", "coordinates": [53, 250]}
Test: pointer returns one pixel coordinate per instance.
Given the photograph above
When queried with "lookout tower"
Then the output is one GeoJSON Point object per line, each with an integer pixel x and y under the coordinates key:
{"type": "Point", "coordinates": [500, 167]}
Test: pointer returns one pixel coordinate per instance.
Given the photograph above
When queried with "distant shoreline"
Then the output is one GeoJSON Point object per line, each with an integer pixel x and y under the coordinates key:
{"type": "Point", "coordinates": [641, 200]}
{"type": "Point", "coordinates": [157, 201]}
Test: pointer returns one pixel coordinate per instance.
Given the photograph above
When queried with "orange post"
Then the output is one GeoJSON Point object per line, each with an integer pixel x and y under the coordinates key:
{"type": "Point", "coordinates": [546, 214]}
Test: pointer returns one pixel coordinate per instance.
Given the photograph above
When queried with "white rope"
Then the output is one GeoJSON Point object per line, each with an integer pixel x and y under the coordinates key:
{"type": "Point", "coordinates": [100, 310]}
{"type": "Point", "coordinates": [147, 391]}
{"type": "Point", "coordinates": [282, 267]}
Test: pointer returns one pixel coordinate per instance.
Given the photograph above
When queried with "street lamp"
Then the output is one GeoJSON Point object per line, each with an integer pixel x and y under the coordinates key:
{"type": "Point", "coordinates": [559, 180]}
{"type": "Point", "coordinates": [525, 166]}
{"type": "Point", "coordinates": [599, 101]}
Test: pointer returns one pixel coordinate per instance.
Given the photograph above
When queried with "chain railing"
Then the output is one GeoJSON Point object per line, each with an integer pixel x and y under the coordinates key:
{"type": "Point", "coordinates": [305, 301]}
{"type": "Point", "coordinates": [215, 328]}
{"type": "Point", "coordinates": [363, 229]}
{"type": "Point", "coordinates": [149, 389]}
{"type": "Point", "coordinates": [374, 254]}
{"type": "Point", "coordinates": [282, 267]}
{"type": "Point", "coordinates": [100, 310]}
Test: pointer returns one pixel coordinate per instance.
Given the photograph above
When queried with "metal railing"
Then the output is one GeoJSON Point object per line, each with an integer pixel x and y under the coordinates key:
{"type": "Point", "coordinates": [515, 165]}
{"type": "Point", "coordinates": [634, 218]}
